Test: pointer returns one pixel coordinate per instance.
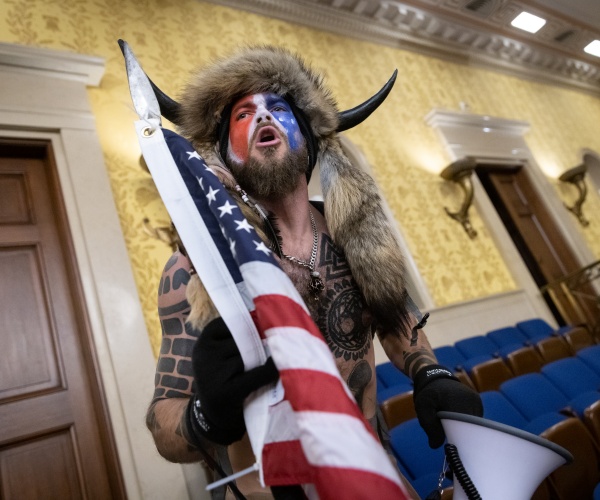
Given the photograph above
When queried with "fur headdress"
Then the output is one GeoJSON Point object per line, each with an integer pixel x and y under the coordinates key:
{"type": "Point", "coordinates": [353, 206]}
{"type": "Point", "coordinates": [254, 71]}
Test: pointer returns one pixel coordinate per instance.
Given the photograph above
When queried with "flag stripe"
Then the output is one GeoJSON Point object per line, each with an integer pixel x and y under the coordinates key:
{"type": "Point", "coordinates": [280, 457]}
{"type": "Point", "coordinates": [277, 284]}
{"type": "Point", "coordinates": [293, 339]}
{"type": "Point", "coordinates": [309, 390]}
{"type": "Point", "coordinates": [275, 311]}
{"type": "Point", "coordinates": [327, 429]}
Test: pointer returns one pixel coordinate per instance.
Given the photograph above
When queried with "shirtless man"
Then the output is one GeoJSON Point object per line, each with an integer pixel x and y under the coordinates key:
{"type": "Point", "coordinates": [267, 151]}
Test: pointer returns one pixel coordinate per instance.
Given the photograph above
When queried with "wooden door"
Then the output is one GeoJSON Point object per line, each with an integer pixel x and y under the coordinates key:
{"type": "Point", "coordinates": [534, 232]}
{"type": "Point", "coordinates": [55, 441]}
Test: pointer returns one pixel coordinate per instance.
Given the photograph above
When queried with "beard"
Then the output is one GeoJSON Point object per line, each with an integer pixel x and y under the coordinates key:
{"type": "Point", "coordinates": [271, 177]}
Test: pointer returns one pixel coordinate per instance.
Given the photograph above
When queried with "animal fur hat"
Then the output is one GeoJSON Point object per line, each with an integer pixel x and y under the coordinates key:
{"type": "Point", "coordinates": [353, 206]}
{"type": "Point", "coordinates": [261, 70]}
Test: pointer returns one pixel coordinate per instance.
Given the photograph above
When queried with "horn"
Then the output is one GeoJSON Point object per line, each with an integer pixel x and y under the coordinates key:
{"type": "Point", "coordinates": [352, 117]}
{"type": "Point", "coordinates": [169, 108]}
{"type": "Point", "coordinates": [497, 461]}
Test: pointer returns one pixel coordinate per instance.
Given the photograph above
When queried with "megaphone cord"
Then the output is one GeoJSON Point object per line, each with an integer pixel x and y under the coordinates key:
{"type": "Point", "coordinates": [460, 472]}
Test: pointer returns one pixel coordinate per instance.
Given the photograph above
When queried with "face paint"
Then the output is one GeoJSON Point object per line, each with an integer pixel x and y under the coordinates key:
{"type": "Point", "coordinates": [282, 112]}
{"type": "Point", "coordinates": [250, 114]}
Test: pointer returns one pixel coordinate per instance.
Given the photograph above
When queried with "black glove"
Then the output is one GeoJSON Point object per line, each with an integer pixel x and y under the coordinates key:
{"type": "Point", "coordinates": [216, 411]}
{"type": "Point", "coordinates": [437, 389]}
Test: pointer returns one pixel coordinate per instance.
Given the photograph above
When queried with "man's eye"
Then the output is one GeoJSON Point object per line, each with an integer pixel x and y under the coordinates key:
{"type": "Point", "coordinates": [279, 108]}
{"type": "Point", "coordinates": [241, 116]}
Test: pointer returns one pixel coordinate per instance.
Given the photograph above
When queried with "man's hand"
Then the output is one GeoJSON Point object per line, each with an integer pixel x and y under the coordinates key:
{"type": "Point", "coordinates": [215, 411]}
{"type": "Point", "coordinates": [437, 389]}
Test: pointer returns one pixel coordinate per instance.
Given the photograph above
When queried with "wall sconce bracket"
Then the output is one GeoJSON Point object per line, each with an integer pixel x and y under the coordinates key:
{"type": "Point", "coordinates": [576, 176]}
{"type": "Point", "coordinates": [460, 172]}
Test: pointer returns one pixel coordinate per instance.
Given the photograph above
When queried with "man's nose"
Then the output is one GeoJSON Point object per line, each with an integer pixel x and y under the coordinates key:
{"type": "Point", "coordinates": [262, 114]}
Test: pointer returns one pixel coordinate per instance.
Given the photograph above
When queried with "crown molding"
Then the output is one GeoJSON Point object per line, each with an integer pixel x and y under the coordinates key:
{"type": "Point", "coordinates": [446, 118]}
{"type": "Point", "coordinates": [52, 63]}
{"type": "Point", "coordinates": [440, 28]}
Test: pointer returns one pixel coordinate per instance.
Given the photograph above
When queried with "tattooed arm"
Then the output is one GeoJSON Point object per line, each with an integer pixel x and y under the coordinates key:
{"type": "Point", "coordinates": [406, 357]}
{"type": "Point", "coordinates": [435, 387]}
{"type": "Point", "coordinates": [174, 376]}
{"type": "Point", "coordinates": [409, 351]}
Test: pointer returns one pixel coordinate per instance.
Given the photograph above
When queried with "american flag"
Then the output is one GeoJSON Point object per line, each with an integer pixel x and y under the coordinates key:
{"type": "Point", "coordinates": [316, 436]}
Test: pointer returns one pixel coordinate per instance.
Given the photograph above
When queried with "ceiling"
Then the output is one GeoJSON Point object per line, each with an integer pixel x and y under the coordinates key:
{"type": "Point", "coordinates": [475, 32]}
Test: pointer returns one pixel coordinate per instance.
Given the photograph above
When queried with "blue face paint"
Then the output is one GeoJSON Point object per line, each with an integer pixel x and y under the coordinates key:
{"type": "Point", "coordinates": [282, 112]}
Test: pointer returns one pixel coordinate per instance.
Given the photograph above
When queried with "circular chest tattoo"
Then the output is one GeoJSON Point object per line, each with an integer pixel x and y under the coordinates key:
{"type": "Point", "coordinates": [344, 320]}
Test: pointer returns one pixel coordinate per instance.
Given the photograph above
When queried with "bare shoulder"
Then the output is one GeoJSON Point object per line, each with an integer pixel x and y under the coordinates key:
{"type": "Point", "coordinates": [173, 282]}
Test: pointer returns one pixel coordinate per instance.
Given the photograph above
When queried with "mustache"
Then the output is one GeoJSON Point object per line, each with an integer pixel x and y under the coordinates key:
{"type": "Point", "coordinates": [281, 135]}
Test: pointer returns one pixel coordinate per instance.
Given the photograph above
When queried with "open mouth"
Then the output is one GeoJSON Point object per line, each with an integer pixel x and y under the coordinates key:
{"type": "Point", "coordinates": [267, 136]}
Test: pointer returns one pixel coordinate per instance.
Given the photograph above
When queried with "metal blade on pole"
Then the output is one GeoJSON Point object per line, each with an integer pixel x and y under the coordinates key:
{"type": "Point", "coordinates": [142, 95]}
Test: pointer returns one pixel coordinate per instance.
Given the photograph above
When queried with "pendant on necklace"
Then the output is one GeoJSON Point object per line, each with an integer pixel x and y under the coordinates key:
{"type": "Point", "coordinates": [316, 283]}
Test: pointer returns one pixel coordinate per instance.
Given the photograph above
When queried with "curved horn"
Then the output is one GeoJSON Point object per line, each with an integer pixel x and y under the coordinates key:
{"type": "Point", "coordinates": [360, 113]}
{"type": "Point", "coordinates": [168, 107]}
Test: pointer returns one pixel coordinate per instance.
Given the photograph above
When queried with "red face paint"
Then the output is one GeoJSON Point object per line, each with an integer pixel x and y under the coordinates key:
{"type": "Point", "coordinates": [240, 126]}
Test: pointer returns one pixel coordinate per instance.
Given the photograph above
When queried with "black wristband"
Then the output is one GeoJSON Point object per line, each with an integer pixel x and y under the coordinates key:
{"type": "Point", "coordinates": [430, 373]}
{"type": "Point", "coordinates": [200, 427]}
{"type": "Point", "coordinates": [193, 425]}
{"type": "Point", "coordinates": [194, 437]}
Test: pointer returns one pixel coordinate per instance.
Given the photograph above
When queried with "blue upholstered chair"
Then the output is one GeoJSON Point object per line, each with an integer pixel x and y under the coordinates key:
{"type": "Point", "coordinates": [450, 357]}
{"type": "Point", "coordinates": [591, 357]}
{"type": "Point", "coordinates": [421, 464]}
{"type": "Point", "coordinates": [509, 335]}
{"type": "Point", "coordinates": [535, 329]}
{"type": "Point", "coordinates": [478, 345]}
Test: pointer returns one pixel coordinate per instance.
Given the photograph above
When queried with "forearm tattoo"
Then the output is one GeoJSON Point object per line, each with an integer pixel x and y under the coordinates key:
{"type": "Point", "coordinates": [421, 319]}
{"type": "Point", "coordinates": [174, 375]}
{"type": "Point", "coordinates": [415, 360]}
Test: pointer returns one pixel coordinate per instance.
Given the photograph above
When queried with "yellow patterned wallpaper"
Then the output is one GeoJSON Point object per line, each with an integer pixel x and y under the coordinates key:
{"type": "Point", "coordinates": [171, 37]}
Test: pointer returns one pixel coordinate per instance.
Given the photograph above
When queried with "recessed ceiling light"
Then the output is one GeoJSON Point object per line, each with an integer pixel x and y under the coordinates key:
{"type": "Point", "coordinates": [528, 22]}
{"type": "Point", "coordinates": [593, 48]}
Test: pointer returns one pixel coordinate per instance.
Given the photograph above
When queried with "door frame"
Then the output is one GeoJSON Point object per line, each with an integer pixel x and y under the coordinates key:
{"type": "Point", "coordinates": [36, 84]}
{"type": "Point", "coordinates": [492, 140]}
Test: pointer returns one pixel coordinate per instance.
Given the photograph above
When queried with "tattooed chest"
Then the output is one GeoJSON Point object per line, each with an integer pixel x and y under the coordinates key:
{"type": "Point", "coordinates": [339, 310]}
{"type": "Point", "coordinates": [346, 325]}
{"type": "Point", "coordinates": [343, 318]}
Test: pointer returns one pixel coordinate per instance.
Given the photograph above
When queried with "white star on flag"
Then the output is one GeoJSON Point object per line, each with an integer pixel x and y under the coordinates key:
{"type": "Point", "coordinates": [193, 154]}
{"type": "Point", "coordinates": [226, 209]}
{"type": "Point", "coordinates": [210, 196]}
{"type": "Point", "coordinates": [261, 247]}
{"type": "Point", "coordinates": [243, 224]}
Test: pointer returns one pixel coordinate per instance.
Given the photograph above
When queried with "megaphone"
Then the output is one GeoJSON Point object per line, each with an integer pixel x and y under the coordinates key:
{"type": "Point", "coordinates": [498, 461]}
